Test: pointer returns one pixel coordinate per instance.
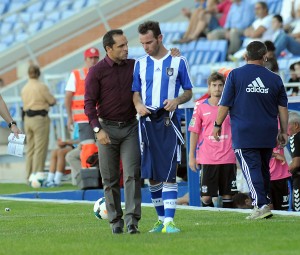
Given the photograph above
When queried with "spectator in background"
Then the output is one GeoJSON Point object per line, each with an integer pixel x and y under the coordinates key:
{"type": "Point", "coordinates": [261, 28]}
{"type": "Point", "coordinates": [74, 98]}
{"type": "Point", "coordinates": [206, 19]}
{"type": "Point", "coordinates": [58, 162]}
{"type": "Point", "coordinates": [36, 99]}
{"type": "Point", "coordinates": [4, 113]}
{"type": "Point", "coordinates": [293, 91]}
{"type": "Point", "coordinates": [288, 11]}
{"type": "Point", "coordinates": [254, 97]}
{"type": "Point", "coordinates": [218, 176]}
{"type": "Point", "coordinates": [239, 17]}
{"type": "Point", "coordinates": [294, 166]}
{"type": "Point", "coordinates": [282, 40]}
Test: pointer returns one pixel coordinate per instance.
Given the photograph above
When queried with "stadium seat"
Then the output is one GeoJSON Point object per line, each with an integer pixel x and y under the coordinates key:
{"type": "Point", "coordinates": [274, 6]}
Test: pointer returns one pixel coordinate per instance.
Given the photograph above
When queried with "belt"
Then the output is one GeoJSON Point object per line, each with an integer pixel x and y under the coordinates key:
{"type": "Point", "coordinates": [119, 124]}
{"type": "Point", "coordinates": [32, 113]}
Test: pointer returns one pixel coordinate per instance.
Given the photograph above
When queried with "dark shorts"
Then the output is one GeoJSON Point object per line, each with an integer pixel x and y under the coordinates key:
{"type": "Point", "coordinates": [218, 180]}
{"type": "Point", "coordinates": [279, 194]}
{"type": "Point", "coordinates": [160, 146]}
{"type": "Point", "coordinates": [296, 192]}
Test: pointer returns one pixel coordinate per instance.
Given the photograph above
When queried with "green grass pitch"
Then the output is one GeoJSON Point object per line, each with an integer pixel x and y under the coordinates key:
{"type": "Point", "coordinates": [71, 228]}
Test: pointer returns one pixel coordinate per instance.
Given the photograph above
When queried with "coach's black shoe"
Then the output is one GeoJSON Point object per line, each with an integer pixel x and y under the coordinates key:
{"type": "Point", "coordinates": [132, 229]}
{"type": "Point", "coordinates": [117, 230]}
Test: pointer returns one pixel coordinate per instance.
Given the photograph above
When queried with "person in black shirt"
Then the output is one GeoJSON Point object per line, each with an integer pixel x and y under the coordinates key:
{"type": "Point", "coordinates": [294, 166]}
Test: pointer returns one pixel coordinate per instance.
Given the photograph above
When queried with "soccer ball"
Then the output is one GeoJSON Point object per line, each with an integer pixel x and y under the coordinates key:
{"type": "Point", "coordinates": [100, 209]}
{"type": "Point", "coordinates": [37, 180]}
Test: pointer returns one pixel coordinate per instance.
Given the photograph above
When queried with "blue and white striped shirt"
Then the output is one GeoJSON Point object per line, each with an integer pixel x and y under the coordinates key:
{"type": "Point", "coordinates": [158, 80]}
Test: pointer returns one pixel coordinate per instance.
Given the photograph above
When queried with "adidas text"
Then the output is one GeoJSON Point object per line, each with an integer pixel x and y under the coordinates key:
{"type": "Point", "coordinates": [257, 90]}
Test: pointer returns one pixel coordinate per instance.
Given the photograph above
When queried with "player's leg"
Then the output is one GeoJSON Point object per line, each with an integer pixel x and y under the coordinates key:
{"type": "Point", "coordinates": [157, 201]}
{"type": "Point", "coordinates": [279, 194]}
{"type": "Point", "coordinates": [227, 184]}
{"type": "Point", "coordinates": [209, 184]}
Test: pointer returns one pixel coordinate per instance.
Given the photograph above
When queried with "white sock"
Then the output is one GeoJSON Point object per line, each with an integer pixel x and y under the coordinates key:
{"type": "Point", "coordinates": [50, 177]}
{"type": "Point", "coordinates": [57, 178]}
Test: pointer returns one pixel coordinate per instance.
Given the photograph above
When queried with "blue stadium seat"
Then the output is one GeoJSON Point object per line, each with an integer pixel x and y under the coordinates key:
{"type": "Point", "coordinates": [49, 5]}
{"type": "Point", "coordinates": [274, 6]}
{"type": "Point", "coordinates": [36, 7]}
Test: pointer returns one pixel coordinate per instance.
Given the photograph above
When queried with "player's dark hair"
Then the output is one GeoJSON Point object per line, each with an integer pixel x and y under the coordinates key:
{"type": "Point", "coordinates": [34, 72]}
{"type": "Point", "coordinates": [278, 18]}
{"type": "Point", "coordinates": [272, 65]}
{"type": "Point", "coordinates": [108, 40]}
{"type": "Point", "coordinates": [150, 26]}
{"type": "Point", "coordinates": [270, 46]}
{"type": "Point", "coordinates": [215, 76]}
{"type": "Point", "coordinates": [256, 50]}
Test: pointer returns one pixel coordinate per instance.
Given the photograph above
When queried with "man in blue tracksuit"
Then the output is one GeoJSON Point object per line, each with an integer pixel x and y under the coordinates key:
{"type": "Point", "coordinates": [254, 97]}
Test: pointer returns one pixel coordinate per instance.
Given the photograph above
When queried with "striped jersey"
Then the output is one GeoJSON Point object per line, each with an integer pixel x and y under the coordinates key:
{"type": "Point", "coordinates": [160, 79]}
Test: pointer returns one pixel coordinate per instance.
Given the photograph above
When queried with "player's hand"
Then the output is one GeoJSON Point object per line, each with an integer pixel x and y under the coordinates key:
{"type": "Point", "coordinates": [170, 104]}
{"type": "Point", "coordinates": [193, 164]}
{"type": "Point", "coordinates": [217, 133]}
{"type": "Point", "coordinates": [280, 157]}
{"type": "Point", "coordinates": [142, 110]}
{"type": "Point", "coordinates": [103, 137]}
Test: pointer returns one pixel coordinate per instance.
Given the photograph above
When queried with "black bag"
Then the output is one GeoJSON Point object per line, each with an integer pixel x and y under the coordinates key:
{"type": "Point", "coordinates": [93, 160]}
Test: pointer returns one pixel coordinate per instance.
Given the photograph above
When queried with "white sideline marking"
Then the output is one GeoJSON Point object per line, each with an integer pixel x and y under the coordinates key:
{"type": "Point", "coordinates": [184, 207]}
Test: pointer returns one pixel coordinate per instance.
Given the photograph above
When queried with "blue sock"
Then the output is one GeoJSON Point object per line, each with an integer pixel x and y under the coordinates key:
{"type": "Point", "coordinates": [157, 201]}
{"type": "Point", "coordinates": [169, 195]}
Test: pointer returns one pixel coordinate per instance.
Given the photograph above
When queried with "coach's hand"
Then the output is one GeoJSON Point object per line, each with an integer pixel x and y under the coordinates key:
{"type": "Point", "coordinates": [103, 137]}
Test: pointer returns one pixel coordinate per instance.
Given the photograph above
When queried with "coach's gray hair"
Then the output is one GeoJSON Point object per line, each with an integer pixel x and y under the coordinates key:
{"type": "Point", "coordinates": [294, 117]}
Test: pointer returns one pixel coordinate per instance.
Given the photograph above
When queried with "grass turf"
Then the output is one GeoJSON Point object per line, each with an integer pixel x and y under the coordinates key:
{"type": "Point", "coordinates": [55, 228]}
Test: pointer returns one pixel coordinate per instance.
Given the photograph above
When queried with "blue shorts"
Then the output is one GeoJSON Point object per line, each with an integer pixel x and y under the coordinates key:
{"type": "Point", "coordinates": [161, 140]}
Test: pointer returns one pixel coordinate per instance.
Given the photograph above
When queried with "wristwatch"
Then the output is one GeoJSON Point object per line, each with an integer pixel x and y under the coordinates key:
{"type": "Point", "coordinates": [12, 123]}
{"type": "Point", "coordinates": [217, 125]}
{"type": "Point", "coordinates": [96, 130]}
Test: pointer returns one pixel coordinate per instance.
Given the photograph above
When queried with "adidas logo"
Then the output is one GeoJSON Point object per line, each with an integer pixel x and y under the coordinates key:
{"type": "Point", "coordinates": [157, 69]}
{"type": "Point", "coordinates": [257, 86]}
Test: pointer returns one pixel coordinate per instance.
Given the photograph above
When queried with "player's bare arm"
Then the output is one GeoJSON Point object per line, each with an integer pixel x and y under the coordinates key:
{"type": "Point", "coordinates": [68, 105]}
{"type": "Point", "coordinates": [171, 104]}
{"type": "Point", "coordinates": [192, 159]}
{"type": "Point", "coordinates": [141, 109]}
{"type": "Point", "coordinates": [222, 113]}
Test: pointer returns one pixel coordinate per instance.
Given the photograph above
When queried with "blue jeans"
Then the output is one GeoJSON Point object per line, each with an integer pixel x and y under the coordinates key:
{"type": "Point", "coordinates": [284, 41]}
